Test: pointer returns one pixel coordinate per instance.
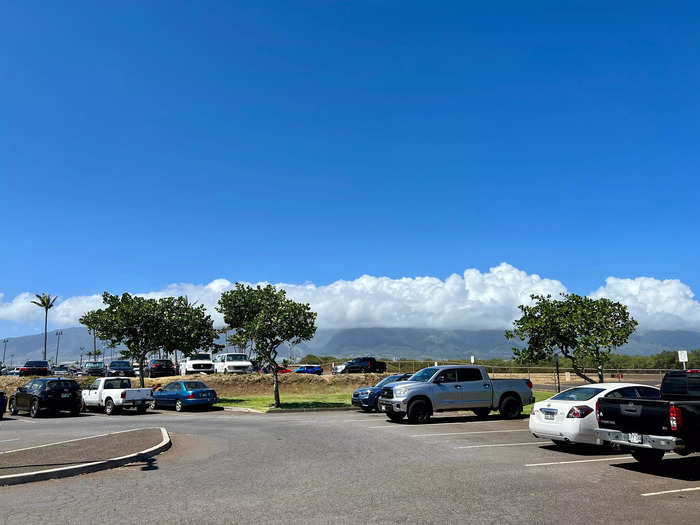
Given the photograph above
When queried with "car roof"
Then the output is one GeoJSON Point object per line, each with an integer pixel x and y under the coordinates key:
{"type": "Point", "coordinates": [610, 386]}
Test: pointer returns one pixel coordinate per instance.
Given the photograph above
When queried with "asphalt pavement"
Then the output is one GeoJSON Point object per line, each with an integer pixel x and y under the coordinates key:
{"type": "Point", "coordinates": [347, 467]}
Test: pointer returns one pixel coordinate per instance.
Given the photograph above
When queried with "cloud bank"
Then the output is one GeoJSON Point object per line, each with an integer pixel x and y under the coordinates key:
{"type": "Point", "coordinates": [473, 300]}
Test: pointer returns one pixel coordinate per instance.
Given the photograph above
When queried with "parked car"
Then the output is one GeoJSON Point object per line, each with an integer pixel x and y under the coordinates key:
{"type": "Point", "coordinates": [233, 363]}
{"type": "Point", "coordinates": [46, 393]}
{"type": "Point", "coordinates": [361, 365]}
{"type": "Point", "coordinates": [200, 363]}
{"type": "Point", "coordinates": [309, 369]}
{"type": "Point", "coordinates": [651, 427]}
{"type": "Point", "coordinates": [160, 368]}
{"type": "Point", "coordinates": [60, 370]}
{"type": "Point", "coordinates": [284, 370]}
{"type": "Point", "coordinates": [184, 394]}
{"type": "Point", "coordinates": [444, 388]}
{"type": "Point", "coordinates": [35, 368]}
{"type": "Point", "coordinates": [569, 417]}
{"type": "Point", "coordinates": [114, 394]}
{"type": "Point", "coordinates": [367, 398]}
{"type": "Point", "coordinates": [94, 368]}
{"type": "Point", "coordinates": [3, 404]}
{"type": "Point", "coordinates": [13, 372]}
{"type": "Point", "coordinates": [120, 369]}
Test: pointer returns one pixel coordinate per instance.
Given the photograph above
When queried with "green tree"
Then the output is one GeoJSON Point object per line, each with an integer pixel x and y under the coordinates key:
{"type": "Point", "coordinates": [264, 318]}
{"type": "Point", "coordinates": [145, 326]}
{"type": "Point", "coordinates": [580, 328]}
{"type": "Point", "coordinates": [46, 302]}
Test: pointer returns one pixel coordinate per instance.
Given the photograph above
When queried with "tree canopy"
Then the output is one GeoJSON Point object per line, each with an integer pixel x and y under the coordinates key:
{"type": "Point", "coordinates": [580, 328]}
{"type": "Point", "coordinates": [264, 319]}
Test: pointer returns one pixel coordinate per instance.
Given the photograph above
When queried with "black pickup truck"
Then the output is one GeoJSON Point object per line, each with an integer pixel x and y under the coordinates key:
{"type": "Point", "coordinates": [651, 427]}
{"type": "Point", "coordinates": [361, 365]}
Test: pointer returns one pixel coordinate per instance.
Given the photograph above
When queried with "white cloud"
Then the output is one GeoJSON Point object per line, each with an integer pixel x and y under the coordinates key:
{"type": "Point", "coordinates": [473, 300]}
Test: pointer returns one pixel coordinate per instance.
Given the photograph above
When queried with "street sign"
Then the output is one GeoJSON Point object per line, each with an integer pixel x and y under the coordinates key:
{"type": "Point", "coordinates": [683, 357]}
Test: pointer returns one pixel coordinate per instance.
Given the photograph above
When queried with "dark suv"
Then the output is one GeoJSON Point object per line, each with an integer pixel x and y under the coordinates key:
{"type": "Point", "coordinates": [120, 369]}
{"type": "Point", "coordinates": [160, 368]}
{"type": "Point", "coordinates": [35, 368]}
{"type": "Point", "coordinates": [47, 393]}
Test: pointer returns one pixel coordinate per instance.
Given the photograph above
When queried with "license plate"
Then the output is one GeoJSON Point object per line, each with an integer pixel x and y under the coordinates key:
{"type": "Point", "coordinates": [549, 415]}
{"type": "Point", "coordinates": [634, 438]}
{"type": "Point", "coordinates": [65, 395]}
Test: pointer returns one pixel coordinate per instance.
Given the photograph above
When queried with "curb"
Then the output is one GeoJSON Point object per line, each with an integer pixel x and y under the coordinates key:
{"type": "Point", "coordinates": [293, 410]}
{"type": "Point", "coordinates": [41, 475]}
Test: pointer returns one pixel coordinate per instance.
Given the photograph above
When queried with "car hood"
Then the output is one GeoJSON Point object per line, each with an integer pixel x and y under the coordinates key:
{"type": "Point", "coordinates": [368, 389]}
{"type": "Point", "coordinates": [409, 384]}
{"type": "Point", "coordinates": [199, 362]}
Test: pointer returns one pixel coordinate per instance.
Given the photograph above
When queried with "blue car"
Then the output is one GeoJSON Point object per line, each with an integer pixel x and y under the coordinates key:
{"type": "Point", "coordinates": [184, 394]}
{"type": "Point", "coordinates": [309, 369]}
{"type": "Point", "coordinates": [366, 397]}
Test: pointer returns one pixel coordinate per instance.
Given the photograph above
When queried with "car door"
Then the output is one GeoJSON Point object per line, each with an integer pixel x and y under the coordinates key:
{"type": "Point", "coordinates": [169, 394]}
{"type": "Point", "coordinates": [476, 391]}
{"type": "Point", "coordinates": [448, 392]}
{"type": "Point", "coordinates": [91, 395]}
{"type": "Point", "coordinates": [22, 398]}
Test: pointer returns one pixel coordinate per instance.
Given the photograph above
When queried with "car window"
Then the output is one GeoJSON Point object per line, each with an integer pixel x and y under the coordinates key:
{"type": "Point", "coordinates": [469, 374]}
{"type": "Point", "coordinates": [30, 385]}
{"type": "Point", "coordinates": [647, 392]}
{"type": "Point", "coordinates": [578, 394]}
{"type": "Point", "coordinates": [627, 392]}
{"type": "Point", "coordinates": [95, 385]}
{"type": "Point", "coordinates": [62, 385]}
{"type": "Point", "coordinates": [170, 387]}
{"type": "Point", "coordinates": [117, 384]}
{"type": "Point", "coordinates": [448, 376]}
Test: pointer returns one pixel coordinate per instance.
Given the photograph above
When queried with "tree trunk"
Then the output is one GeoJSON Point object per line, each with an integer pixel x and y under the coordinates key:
{"type": "Point", "coordinates": [601, 376]}
{"type": "Point", "coordinates": [580, 373]}
{"type": "Point", "coordinates": [46, 323]}
{"type": "Point", "coordinates": [276, 386]}
{"type": "Point", "coordinates": [142, 365]}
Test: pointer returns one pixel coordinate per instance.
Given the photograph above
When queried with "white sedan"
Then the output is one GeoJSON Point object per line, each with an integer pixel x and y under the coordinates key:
{"type": "Point", "coordinates": [569, 417]}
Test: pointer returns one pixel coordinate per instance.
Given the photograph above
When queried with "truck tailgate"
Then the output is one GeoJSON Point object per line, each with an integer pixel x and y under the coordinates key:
{"type": "Point", "coordinates": [133, 394]}
{"type": "Point", "coordinates": [642, 416]}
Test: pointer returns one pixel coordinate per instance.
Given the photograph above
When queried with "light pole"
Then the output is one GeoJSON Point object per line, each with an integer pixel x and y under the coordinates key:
{"type": "Point", "coordinates": [12, 358]}
{"type": "Point", "coordinates": [59, 333]}
{"type": "Point", "coordinates": [4, 350]}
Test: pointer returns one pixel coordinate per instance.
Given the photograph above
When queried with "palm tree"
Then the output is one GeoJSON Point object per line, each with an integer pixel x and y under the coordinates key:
{"type": "Point", "coordinates": [45, 301]}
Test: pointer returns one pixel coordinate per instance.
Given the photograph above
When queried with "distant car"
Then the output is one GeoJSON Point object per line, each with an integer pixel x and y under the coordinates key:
{"type": "Point", "coordinates": [361, 365]}
{"type": "Point", "coordinates": [13, 372]}
{"type": "Point", "coordinates": [367, 397]}
{"type": "Point", "coordinates": [569, 417]}
{"type": "Point", "coordinates": [284, 370]}
{"type": "Point", "coordinates": [233, 363]}
{"type": "Point", "coordinates": [160, 368]}
{"type": "Point", "coordinates": [3, 403]}
{"type": "Point", "coordinates": [61, 370]}
{"type": "Point", "coordinates": [47, 393]}
{"type": "Point", "coordinates": [199, 363]}
{"type": "Point", "coordinates": [184, 394]}
{"type": "Point", "coordinates": [120, 369]}
{"type": "Point", "coordinates": [35, 368]}
{"type": "Point", "coordinates": [94, 369]}
{"type": "Point", "coordinates": [309, 369]}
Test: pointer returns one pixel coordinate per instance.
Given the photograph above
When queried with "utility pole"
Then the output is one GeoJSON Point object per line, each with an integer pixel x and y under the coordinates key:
{"type": "Point", "coordinates": [4, 350]}
{"type": "Point", "coordinates": [12, 358]}
{"type": "Point", "coordinates": [556, 361]}
{"type": "Point", "coordinates": [59, 333]}
{"type": "Point", "coordinates": [82, 349]}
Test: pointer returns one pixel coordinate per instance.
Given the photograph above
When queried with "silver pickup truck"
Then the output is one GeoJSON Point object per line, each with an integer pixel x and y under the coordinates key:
{"type": "Point", "coordinates": [443, 388]}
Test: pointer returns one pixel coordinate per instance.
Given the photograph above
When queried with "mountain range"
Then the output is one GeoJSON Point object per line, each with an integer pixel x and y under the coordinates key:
{"type": "Point", "coordinates": [410, 343]}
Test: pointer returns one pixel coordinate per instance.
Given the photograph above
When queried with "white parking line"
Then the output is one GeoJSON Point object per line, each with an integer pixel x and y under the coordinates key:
{"type": "Point", "coordinates": [616, 458]}
{"type": "Point", "coordinates": [6, 440]}
{"type": "Point", "coordinates": [465, 433]}
{"type": "Point", "coordinates": [691, 489]}
{"type": "Point", "coordinates": [507, 444]}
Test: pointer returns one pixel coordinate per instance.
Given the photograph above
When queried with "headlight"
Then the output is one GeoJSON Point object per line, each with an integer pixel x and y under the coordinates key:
{"type": "Point", "coordinates": [400, 392]}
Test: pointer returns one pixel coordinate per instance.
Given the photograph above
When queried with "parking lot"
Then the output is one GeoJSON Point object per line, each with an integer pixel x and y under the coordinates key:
{"type": "Point", "coordinates": [347, 467]}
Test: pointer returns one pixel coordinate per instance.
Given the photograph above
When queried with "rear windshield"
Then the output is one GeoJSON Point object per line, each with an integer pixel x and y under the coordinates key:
{"type": "Point", "coordinates": [62, 385]}
{"type": "Point", "coordinates": [194, 385]}
{"type": "Point", "coordinates": [37, 363]}
{"type": "Point", "coordinates": [120, 364]}
{"type": "Point", "coordinates": [117, 383]}
{"type": "Point", "coordinates": [578, 394]}
{"type": "Point", "coordinates": [93, 365]}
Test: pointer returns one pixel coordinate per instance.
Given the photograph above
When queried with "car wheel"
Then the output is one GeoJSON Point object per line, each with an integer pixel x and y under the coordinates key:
{"type": "Point", "coordinates": [511, 407]}
{"type": "Point", "coordinates": [75, 411]}
{"type": "Point", "coordinates": [34, 408]}
{"type": "Point", "coordinates": [109, 407]}
{"type": "Point", "coordinates": [646, 456]}
{"type": "Point", "coordinates": [13, 407]}
{"type": "Point", "coordinates": [153, 404]}
{"type": "Point", "coordinates": [418, 412]}
{"type": "Point", "coordinates": [178, 405]}
{"type": "Point", "coordinates": [482, 413]}
{"type": "Point", "coordinates": [394, 417]}
{"type": "Point", "coordinates": [367, 409]}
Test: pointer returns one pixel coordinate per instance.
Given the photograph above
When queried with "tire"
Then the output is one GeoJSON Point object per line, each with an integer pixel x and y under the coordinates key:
{"type": "Point", "coordinates": [75, 411]}
{"type": "Point", "coordinates": [394, 416]}
{"type": "Point", "coordinates": [511, 407]}
{"type": "Point", "coordinates": [110, 409]}
{"type": "Point", "coordinates": [141, 409]}
{"type": "Point", "coordinates": [648, 456]}
{"type": "Point", "coordinates": [13, 408]}
{"type": "Point", "coordinates": [482, 413]}
{"type": "Point", "coordinates": [34, 408]}
{"type": "Point", "coordinates": [153, 405]}
{"type": "Point", "coordinates": [560, 443]}
{"type": "Point", "coordinates": [418, 412]}
{"type": "Point", "coordinates": [179, 407]}
{"type": "Point", "coordinates": [367, 409]}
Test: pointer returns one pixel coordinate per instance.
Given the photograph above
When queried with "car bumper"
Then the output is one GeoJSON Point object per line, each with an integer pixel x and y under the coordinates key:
{"type": "Point", "coordinates": [134, 403]}
{"type": "Point", "coordinates": [62, 404]}
{"type": "Point", "coordinates": [570, 429]}
{"type": "Point", "coordinates": [362, 402]}
{"type": "Point", "coordinates": [162, 373]}
{"type": "Point", "coordinates": [623, 438]}
{"type": "Point", "coordinates": [200, 402]}
{"type": "Point", "coordinates": [392, 405]}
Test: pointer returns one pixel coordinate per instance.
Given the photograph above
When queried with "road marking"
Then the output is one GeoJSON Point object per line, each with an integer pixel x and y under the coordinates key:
{"type": "Point", "coordinates": [577, 461]}
{"type": "Point", "coordinates": [507, 444]}
{"type": "Point", "coordinates": [76, 439]}
{"type": "Point", "coordinates": [465, 433]}
{"type": "Point", "coordinates": [6, 440]}
{"type": "Point", "coordinates": [691, 489]}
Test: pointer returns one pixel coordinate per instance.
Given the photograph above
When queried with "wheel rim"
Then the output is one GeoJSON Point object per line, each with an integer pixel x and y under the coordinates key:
{"type": "Point", "coordinates": [12, 406]}
{"type": "Point", "coordinates": [153, 405]}
{"type": "Point", "coordinates": [108, 407]}
{"type": "Point", "coordinates": [34, 408]}
{"type": "Point", "coordinates": [178, 406]}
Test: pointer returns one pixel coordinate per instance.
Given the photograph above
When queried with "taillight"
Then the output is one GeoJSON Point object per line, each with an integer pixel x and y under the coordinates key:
{"type": "Point", "coordinates": [24, 369]}
{"type": "Point", "coordinates": [528, 383]}
{"type": "Point", "coordinates": [123, 394]}
{"type": "Point", "coordinates": [579, 412]}
{"type": "Point", "coordinates": [674, 417]}
{"type": "Point", "coordinates": [597, 410]}
{"type": "Point", "coordinates": [191, 396]}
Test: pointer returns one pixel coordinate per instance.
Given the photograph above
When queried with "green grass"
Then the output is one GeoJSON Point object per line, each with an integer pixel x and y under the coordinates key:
{"type": "Point", "coordinates": [289, 402]}
{"type": "Point", "coordinates": [540, 395]}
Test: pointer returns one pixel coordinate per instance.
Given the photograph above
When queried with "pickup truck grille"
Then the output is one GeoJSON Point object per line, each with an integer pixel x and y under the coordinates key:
{"type": "Point", "coordinates": [388, 393]}
{"type": "Point", "coordinates": [198, 366]}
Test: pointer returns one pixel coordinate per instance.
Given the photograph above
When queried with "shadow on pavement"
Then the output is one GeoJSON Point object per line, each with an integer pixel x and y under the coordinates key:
{"type": "Point", "coordinates": [582, 450]}
{"type": "Point", "coordinates": [685, 469]}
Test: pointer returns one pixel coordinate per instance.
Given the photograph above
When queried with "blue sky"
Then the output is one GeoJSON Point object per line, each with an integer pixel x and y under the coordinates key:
{"type": "Point", "coordinates": [144, 144]}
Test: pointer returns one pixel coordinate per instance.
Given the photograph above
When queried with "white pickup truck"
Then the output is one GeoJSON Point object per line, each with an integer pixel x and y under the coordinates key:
{"type": "Point", "coordinates": [115, 393]}
{"type": "Point", "coordinates": [197, 364]}
{"type": "Point", "coordinates": [232, 363]}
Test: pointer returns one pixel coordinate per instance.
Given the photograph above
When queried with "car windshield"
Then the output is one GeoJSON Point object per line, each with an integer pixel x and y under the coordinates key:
{"type": "Point", "coordinates": [236, 357]}
{"type": "Point", "coordinates": [163, 362]}
{"type": "Point", "coordinates": [120, 364]}
{"type": "Point", "coordinates": [62, 385]}
{"type": "Point", "coordinates": [93, 365]}
{"type": "Point", "coordinates": [194, 385]}
{"type": "Point", "coordinates": [37, 363]}
{"type": "Point", "coordinates": [423, 375]}
{"type": "Point", "coordinates": [201, 357]}
{"type": "Point", "coordinates": [578, 394]}
{"type": "Point", "coordinates": [390, 379]}
{"type": "Point", "coordinates": [117, 383]}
